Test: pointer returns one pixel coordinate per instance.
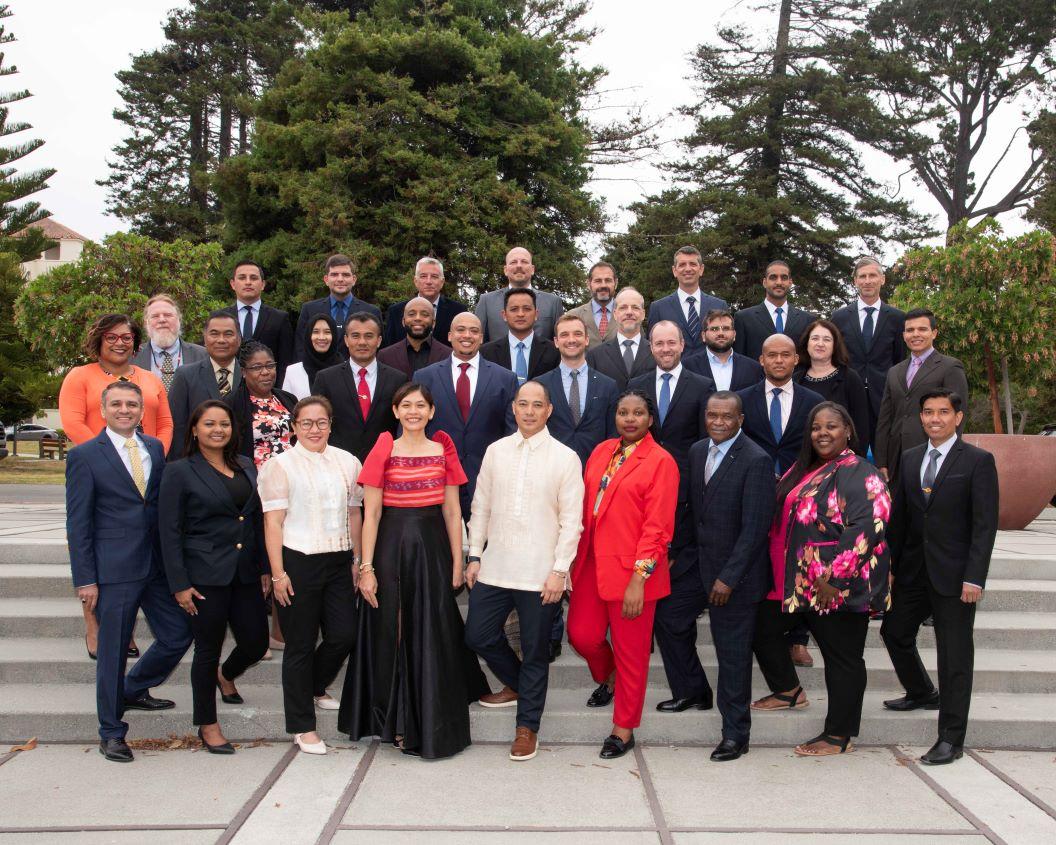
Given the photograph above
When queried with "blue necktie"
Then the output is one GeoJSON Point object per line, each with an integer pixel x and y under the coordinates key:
{"type": "Point", "coordinates": [665, 397]}
{"type": "Point", "coordinates": [693, 322]}
{"type": "Point", "coordinates": [779, 321]}
{"type": "Point", "coordinates": [338, 312]}
{"type": "Point", "coordinates": [522, 365]}
{"type": "Point", "coordinates": [867, 328]}
{"type": "Point", "coordinates": [775, 422]}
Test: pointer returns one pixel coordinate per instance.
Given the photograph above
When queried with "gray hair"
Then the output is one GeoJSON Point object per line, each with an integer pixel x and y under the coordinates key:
{"type": "Point", "coordinates": [865, 261]}
{"type": "Point", "coordinates": [428, 259]}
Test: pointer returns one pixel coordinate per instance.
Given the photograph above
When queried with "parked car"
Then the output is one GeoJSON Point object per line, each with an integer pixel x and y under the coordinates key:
{"type": "Point", "coordinates": [31, 432]}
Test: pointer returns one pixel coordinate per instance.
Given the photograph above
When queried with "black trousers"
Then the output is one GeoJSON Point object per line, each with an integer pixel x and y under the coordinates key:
{"type": "Point", "coordinates": [798, 634]}
{"type": "Point", "coordinates": [911, 604]}
{"type": "Point", "coordinates": [732, 628]}
{"type": "Point", "coordinates": [323, 600]}
{"type": "Point", "coordinates": [841, 638]}
{"type": "Point", "coordinates": [488, 608]}
{"type": "Point", "coordinates": [242, 607]}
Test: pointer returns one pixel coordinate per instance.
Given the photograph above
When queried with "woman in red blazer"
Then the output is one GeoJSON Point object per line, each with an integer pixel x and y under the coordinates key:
{"type": "Point", "coordinates": [620, 569]}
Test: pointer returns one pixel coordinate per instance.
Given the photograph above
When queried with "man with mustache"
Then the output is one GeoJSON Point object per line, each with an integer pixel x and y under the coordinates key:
{"type": "Point", "coordinates": [419, 347]}
{"type": "Point", "coordinates": [167, 351]}
{"type": "Point", "coordinates": [598, 313]}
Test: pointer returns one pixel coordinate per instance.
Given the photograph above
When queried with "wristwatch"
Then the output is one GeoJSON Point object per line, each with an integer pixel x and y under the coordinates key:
{"type": "Point", "coordinates": [472, 559]}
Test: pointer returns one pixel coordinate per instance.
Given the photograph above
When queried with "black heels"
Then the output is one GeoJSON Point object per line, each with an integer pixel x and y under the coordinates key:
{"type": "Point", "coordinates": [233, 698]}
{"type": "Point", "coordinates": [132, 650]}
{"type": "Point", "coordinates": [226, 748]}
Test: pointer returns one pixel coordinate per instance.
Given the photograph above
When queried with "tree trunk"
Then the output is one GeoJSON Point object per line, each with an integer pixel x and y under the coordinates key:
{"type": "Point", "coordinates": [991, 379]}
{"type": "Point", "coordinates": [1006, 390]}
{"type": "Point", "coordinates": [243, 134]}
{"type": "Point", "coordinates": [224, 147]}
{"type": "Point", "coordinates": [197, 155]}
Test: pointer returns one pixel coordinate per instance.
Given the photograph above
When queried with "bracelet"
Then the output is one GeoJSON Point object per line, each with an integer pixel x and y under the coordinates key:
{"type": "Point", "coordinates": [644, 568]}
{"type": "Point", "coordinates": [276, 578]}
{"type": "Point", "coordinates": [366, 567]}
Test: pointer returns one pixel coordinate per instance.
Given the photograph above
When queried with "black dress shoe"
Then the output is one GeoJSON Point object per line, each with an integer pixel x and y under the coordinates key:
{"type": "Point", "coordinates": [941, 753]}
{"type": "Point", "coordinates": [614, 747]}
{"type": "Point", "coordinates": [234, 698]}
{"type": "Point", "coordinates": [148, 702]}
{"type": "Point", "coordinates": [223, 748]}
{"type": "Point", "coordinates": [677, 705]}
{"type": "Point", "coordinates": [555, 650]}
{"type": "Point", "coordinates": [601, 697]}
{"type": "Point", "coordinates": [115, 750]}
{"type": "Point", "coordinates": [907, 703]}
{"type": "Point", "coordinates": [728, 750]}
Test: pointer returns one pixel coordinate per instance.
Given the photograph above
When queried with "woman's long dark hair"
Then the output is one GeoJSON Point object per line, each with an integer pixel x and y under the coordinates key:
{"type": "Point", "coordinates": [808, 459]}
{"type": "Point", "coordinates": [840, 357]}
{"type": "Point", "coordinates": [190, 442]}
{"type": "Point", "coordinates": [315, 361]}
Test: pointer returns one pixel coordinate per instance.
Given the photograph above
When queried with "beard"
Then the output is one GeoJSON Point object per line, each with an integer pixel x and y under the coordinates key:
{"type": "Point", "coordinates": [419, 332]}
{"type": "Point", "coordinates": [163, 338]}
{"type": "Point", "coordinates": [719, 347]}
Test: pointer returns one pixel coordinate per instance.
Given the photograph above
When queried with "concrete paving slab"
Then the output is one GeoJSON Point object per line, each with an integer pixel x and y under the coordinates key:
{"type": "Point", "coordinates": [296, 809]}
{"type": "Point", "coordinates": [113, 837]}
{"type": "Point", "coordinates": [64, 785]}
{"type": "Point", "coordinates": [696, 793]}
{"type": "Point", "coordinates": [1033, 771]}
{"type": "Point", "coordinates": [995, 804]}
{"type": "Point", "coordinates": [739, 837]}
{"type": "Point", "coordinates": [564, 786]}
{"type": "Point", "coordinates": [434, 837]}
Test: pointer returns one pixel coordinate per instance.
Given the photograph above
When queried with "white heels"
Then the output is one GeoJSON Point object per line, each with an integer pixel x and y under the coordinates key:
{"type": "Point", "coordinates": [327, 702]}
{"type": "Point", "coordinates": [309, 747]}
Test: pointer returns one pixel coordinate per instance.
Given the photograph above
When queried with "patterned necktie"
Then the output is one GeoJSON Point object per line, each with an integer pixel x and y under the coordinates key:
{"type": "Point", "coordinates": [914, 365]}
{"type": "Point", "coordinates": [247, 324]}
{"type": "Point", "coordinates": [462, 391]}
{"type": "Point", "coordinates": [867, 327]}
{"type": "Point", "coordinates": [930, 473]}
{"type": "Point", "coordinates": [664, 402]}
{"type": "Point", "coordinates": [713, 461]}
{"type": "Point", "coordinates": [223, 381]}
{"type": "Point", "coordinates": [167, 370]}
{"type": "Point", "coordinates": [363, 389]}
{"type": "Point", "coordinates": [694, 319]}
{"type": "Point", "coordinates": [573, 399]}
{"type": "Point", "coordinates": [779, 321]}
{"type": "Point", "coordinates": [137, 465]}
{"type": "Point", "coordinates": [603, 322]}
{"type": "Point", "coordinates": [628, 355]}
{"type": "Point", "coordinates": [521, 368]}
{"type": "Point", "coordinates": [775, 422]}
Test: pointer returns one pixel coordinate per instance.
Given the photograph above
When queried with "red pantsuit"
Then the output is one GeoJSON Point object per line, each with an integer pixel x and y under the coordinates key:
{"type": "Point", "coordinates": [634, 521]}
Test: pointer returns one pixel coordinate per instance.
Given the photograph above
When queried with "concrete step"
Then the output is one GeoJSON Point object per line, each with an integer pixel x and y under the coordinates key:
{"type": "Point", "coordinates": [22, 549]}
{"type": "Point", "coordinates": [58, 712]}
{"type": "Point", "coordinates": [55, 660]}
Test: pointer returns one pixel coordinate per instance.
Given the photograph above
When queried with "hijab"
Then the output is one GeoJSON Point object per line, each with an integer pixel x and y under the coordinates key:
{"type": "Point", "coordinates": [313, 360]}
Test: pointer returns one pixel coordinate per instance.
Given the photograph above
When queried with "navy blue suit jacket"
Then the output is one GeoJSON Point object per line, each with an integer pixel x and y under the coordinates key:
{"type": "Point", "coordinates": [746, 371]}
{"type": "Point", "coordinates": [731, 515]}
{"type": "Point", "coordinates": [886, 349]}
{"type": "Point", "coordinates": [322, 306]}
{"type": "Point", "coordinates": [112, 530]}
{"type": "Point", "coordinates": [446, 310]}
{"type": "Point", "coordinates": [490, 415]}
{"type": "Point", "coordinates": [757, 422]}
{"type": "Point", "coordinates": [599, 413]}
{"type": "Point", "coordinates": [670, 308]}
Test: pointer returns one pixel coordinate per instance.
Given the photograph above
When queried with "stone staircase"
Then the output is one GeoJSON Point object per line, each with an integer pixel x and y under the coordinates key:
{"type": "Point", "coordinates": [46, 677]}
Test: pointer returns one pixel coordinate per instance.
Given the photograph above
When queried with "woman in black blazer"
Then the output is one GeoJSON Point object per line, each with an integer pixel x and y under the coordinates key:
{"type": "Point", "coordinates": [211, 524]}
{"type": "Point", "coordinates": [262, 411]}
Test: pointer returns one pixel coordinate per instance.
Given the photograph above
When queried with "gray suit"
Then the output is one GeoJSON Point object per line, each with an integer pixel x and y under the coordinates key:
{"type": "Point", "coordinates": [585, 312]}
{"type": "Point", "coordinates": [191, 386]}
{"type": "Point", "coordinates": [191, 353]}
{"type": "Point", "coordinates": [489, 312]}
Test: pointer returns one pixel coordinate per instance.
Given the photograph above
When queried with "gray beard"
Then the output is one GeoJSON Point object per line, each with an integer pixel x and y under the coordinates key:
{"type": "Point", "coordinates": [163, 339]}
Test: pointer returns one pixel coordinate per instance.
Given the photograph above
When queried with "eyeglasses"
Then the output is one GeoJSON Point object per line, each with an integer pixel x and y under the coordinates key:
{"type": "Point", "coordinates": [308, 425]}
{"type": "Point", "coordinates": [261, 368]}
{"type": "Point", "coordinates": [111, 337]}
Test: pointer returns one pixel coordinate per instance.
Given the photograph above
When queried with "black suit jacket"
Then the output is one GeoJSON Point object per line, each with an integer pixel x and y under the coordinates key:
{"type": "Point", "coordinates": [350, 431]}
{"type": "Point", "coordinates": [754, 326]}
{"type": "Point", "coordinates": [886, 350]}
{"type": "Point", "coordinates": [542, 358]}
{"type": "Point", "coordinates": [191, 385]}
{"type": "Point", "coordinates": [273, 329]}
{"type": "Point", "coordinates": [746, 371]}
{"type": "Point", "coordinates": [205, 538]}
{"type": "Point", "coordinates": [446, 310]}
{"type": "Point", "coordinates": [731, 515]}
{"type": "Point", "coordinates": [670, 308]}
{"type": "Point", "coordinates": [598, 421]}
{"type": "Point", "coordinates": [952, 533]}
{"type": "Point", "coordinates": [242, 410]}
{"type": "Point", "coordinates": [607, 359]}
{"type": "Point", "coordinates": [757, 422]}
{"type": "Point", "coordinates": [322, 306]}
{"type": "Point", "coordinates": [395, 356]}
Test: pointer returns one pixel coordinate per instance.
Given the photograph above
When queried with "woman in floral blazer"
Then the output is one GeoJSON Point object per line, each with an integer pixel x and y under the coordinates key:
{"type": "Point", "coordinates": [831, 564]}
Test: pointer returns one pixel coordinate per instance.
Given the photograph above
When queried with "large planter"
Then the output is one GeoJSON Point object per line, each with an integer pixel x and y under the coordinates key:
{"type": "Point", "coordinates": [1026, 474]}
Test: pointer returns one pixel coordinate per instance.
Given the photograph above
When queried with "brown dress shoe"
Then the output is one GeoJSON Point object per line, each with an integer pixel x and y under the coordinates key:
{"type": "Point", "coordinates": [800, 655]}
{"type": "Point", "coordinates": [525, 745]}
{"type": "Point", "coordinates": [505, 697]}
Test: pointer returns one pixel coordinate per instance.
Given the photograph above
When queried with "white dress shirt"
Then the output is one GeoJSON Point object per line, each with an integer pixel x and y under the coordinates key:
{"type": "Point", "coordinates": [944, 450]}
{"type": "Point", "coordinates": [683, 296]}
{"type": "Point", "coordinates": [675, 373]}
{"type": "Point", "coordinates": [372, 374]}
{"type": "Point", "coordinates": [119, 443]}
{"type": "Point", "coordinates": [241, 309]}
{"type": "Point", "coordinates": [471, 373]}
{"type": "Point", "coordinates": [773, 313]}
{"type": "Point", "coordinates": [635, 341]}
{"type": "Point", "coordinates": [721, 371]}
{"type": "Point", "coordinates": [316, 489]}
{"type": "Point", "coordinates": [862, 305]}
{"type": "Point", "coordinates": [785, 399]}
{"type": "Point", "coordinates": [527, 511]}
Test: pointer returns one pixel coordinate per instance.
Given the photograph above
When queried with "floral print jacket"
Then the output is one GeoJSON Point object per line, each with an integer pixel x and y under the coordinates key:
{"type": "Point", "coordinates": [837, 528]}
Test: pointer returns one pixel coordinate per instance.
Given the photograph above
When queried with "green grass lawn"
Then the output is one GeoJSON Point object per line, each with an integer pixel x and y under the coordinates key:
{"type": "Point", "coordinates": [31, 470]}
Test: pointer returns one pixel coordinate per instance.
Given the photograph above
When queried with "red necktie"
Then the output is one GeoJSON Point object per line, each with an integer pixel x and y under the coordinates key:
{"type": "Point", "coordinates": [603, 323]}
{"type": "Point", "coordinates": [462, 391]}
{"type": "Point", "coordinates": [364, 392]}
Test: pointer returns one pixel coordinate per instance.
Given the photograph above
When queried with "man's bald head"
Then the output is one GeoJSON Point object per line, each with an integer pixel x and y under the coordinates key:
{"type": "Point", "coordinates": [418, 318]}
{"type": "Point", "coordinates": [465, 336]}
{"type": "Point", "coordinates": [519, 268]}
{"type": "Point", "coordinates": [779, 359]}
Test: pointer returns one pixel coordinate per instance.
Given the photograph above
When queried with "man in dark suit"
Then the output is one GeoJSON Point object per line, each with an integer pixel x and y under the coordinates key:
{"type": "Point", "coordinates": [473, 400]}
{"type": "Point", "coordinates": [942, 530]}
{"type": "Point", "coordinates": [519, 270]}
{"type": "Point", "coordinates": [898, 425]}
{"type": "Point", "coordinates": [340, 277]}
{"type": "Point", "coordinates": [419, 348]}
{"type": "Point", "coordinates": [214, 378]}
{"type": "Point", "coordinates": [428, 281]}
{"type": "Point", "coordinates": [167, 351]}
{"type": "Point", "coordinates": [361, 390]}
{"type": "Point", "coordinates": [717, 361]}
{"type": "Point", "coordinates": [522, 350]}
{"type": "Point", "coordinates": [627, 354]}
{"type": "Point", "coordinates": [772, 316]}
{"type": "Point", "coordinates": [731, 504]}
{"type": "Point", "coordinates": [112, 485]}
{"type": "Point", "coordinates": [258, 321]}
{"type": "Point", "coordinates": [685, 306]}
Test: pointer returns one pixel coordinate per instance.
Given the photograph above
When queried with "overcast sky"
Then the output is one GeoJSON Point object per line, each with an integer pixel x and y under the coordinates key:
{"type": "Point", "coordinates": [68, 51]}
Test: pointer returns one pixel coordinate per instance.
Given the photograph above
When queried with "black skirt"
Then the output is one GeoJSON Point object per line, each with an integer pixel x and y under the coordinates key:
{"type": "Point", "coordinates": [411, 674]}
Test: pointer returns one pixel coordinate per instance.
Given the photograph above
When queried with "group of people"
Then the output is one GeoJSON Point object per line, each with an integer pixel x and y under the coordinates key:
{"type": "Point", "coordinates": [792, 476]}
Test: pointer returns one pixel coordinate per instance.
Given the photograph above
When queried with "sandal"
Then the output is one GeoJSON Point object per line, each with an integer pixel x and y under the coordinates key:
{"type": "Point", "coordinates": [844, 745]}
{"type": "Point", "coordinates": [788, 702]}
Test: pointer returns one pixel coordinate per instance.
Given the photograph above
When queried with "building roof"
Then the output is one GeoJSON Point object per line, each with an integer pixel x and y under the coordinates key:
{"type": "Point", "coordinates": [55, 231]}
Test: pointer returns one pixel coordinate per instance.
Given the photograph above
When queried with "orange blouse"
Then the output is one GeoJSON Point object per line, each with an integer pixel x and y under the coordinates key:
{"type": "Point", "coordinates": [412, 482]}
{"type": "Point", "coordinates": [80, 403]}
